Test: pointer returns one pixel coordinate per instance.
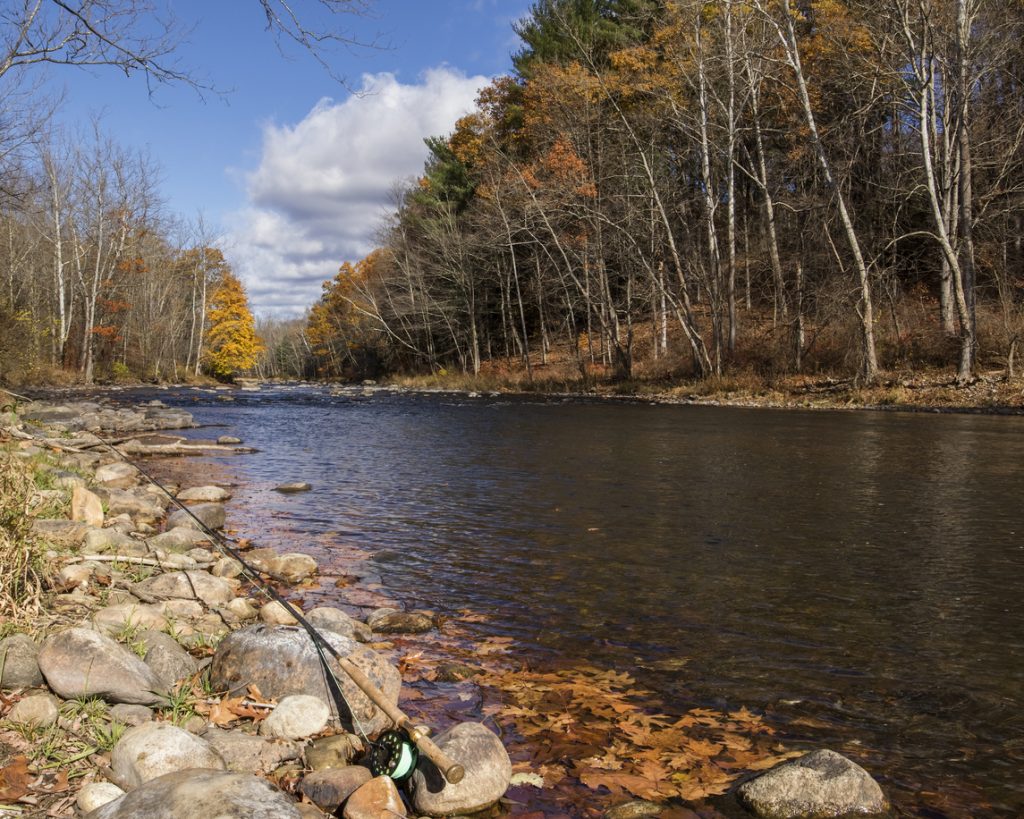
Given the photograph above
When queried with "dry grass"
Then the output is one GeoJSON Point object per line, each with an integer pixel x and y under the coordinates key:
{"type": "Point", "coordinates": [21, 561]}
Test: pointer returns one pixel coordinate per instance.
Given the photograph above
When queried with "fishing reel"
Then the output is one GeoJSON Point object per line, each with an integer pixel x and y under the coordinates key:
{"type": "Point", "coordinates": [394, 755]}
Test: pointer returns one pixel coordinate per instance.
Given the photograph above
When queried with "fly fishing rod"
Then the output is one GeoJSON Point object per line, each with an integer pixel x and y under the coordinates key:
{"type": "Point", "coordinates": [393, 755]}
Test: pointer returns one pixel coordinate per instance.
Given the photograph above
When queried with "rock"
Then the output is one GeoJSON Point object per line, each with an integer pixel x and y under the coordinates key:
{"type": "Point", "coordinates": [637, 809]}
{"type": "Point", "coordinates": [174, 560]}
{"type": "Point", "coordinates": [157, 748]}
{"type": "Point", "coordinates": [488, 771]}
{"type": "Point", "coordinates": [96, 794]}
{"type": "Point", "coordinates": [291, 488]}
{"type": "Point", "coordinates": [310, 811]}
{"type": "Point", "coordinates": [296, 717]}
{"type": "Point", "coordinates": [201, 556]}
{"type": "Point", "coordinates": [375, 799]}
{"type": "Point", "coordinates": [274, 614]}
{"type": "Point", "coordinates": [196, 794]}
{"type": "Point", "coordinates": [140, 505]}
{"type": "Point", "coordinates": [131, 714]}
{"type": "Point", "coordinates": [168, 660]}
{"type": "Point", "coordinates": [99, 541]}
{"type": "Point", "coordinates": [332, 619]}
{"type": "Point", "coordinates": [295, 567]}
{"type": "Point", "coordinates": [19, 662]}
{"type": "Point", "coordinates": [84, 663]}
{"type": "Point", "coordinates": [228, 440]}
{"type": "Point", "coordinates": [456, 672]}
{"type": "Point", "coordinates": [819, 785]}
{"type": "Point", "coordinates": [328, 789]}
{"type": "Point", "coordinates": [226, 567]}
{"type": "Point", "coordinates": [213, 591]}
{"type": "Point", "coordinates": [335, 751]}
{"type": "Point", "coordinates": [39, 710]}
{"type": "Point", "coordinates": [67, 480]}
{"type": "Point", "coordinates": [182, 609]}
{"type": "Point", "coordinates": [178, 539]}
{"type": "Point", "coordinates": [116, 475]}
{"type": "Point", "coordinates": [242, 609]}
{"type": "Point", "coordinates": [86, 507]}
{"type": "Point", "coordinates": [205, 494]}
{"type": "Point", "coordinates": [282, 661]}
{"type": "Point", "coordinates": [388, 621]}
{"type": "Point", "coordinates": [60, 532]}
{"type": "Point", "coordinates": [113, 619]}
{"type": "Point", "coordinates": [245, 753]}
{"type": "Point", "coordinates": [75, 575]}
{"type": "Point", "coordinates": [211, 514]}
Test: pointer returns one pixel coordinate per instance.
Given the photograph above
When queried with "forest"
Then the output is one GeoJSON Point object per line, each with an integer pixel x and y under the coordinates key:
{"type": "Point", "coordinates": [658, 189]}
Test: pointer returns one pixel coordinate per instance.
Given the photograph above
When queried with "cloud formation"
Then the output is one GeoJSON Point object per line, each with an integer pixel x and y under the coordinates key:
{"type": "Point", "coordinates": [324, 185]}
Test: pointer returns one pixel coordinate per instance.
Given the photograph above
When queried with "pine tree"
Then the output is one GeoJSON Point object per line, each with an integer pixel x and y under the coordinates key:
{"type": "Point", "coordinates": [232, 343]}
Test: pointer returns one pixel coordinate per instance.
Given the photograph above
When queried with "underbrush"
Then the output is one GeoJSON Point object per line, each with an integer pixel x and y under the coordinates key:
{"type": "Point", "coordinates": [22, 566]}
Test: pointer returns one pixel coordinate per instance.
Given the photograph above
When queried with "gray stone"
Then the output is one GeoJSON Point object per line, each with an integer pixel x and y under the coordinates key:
{"type": "Point", "coordinates": [86, 507]}
{"type": "Point", "coordinates": [131, 714]}
{"type": "Point", "coordinates": [84, 663]}
{"type": "Point", "coordinates": [332, 619]}
{"type": "Point", "coordinates": [204, 494]}
{"type": "Point", "coordinates": [241, 609]}
{"type": "Point", "coordinates": [168, 660]}
{"type": "Point", "coordinates": [116, 475]}
{"type": "Point", "coordinates": [329, 788]}
{"type": "Point", "coordinates": [211, 514]}
{"type": "Point", "coordinates": [19, 662]}
{"type": "Point", "coordinates": [178, 539]}
{"type": "Point", "coordinates": [296, 717]}
{"type": "Point", "coordinates": [139, 504]}
{"type": "Point", "coordinates": [99, 541]}
{"type": "Point", "coordinates": [295, 567]}
{"type": "Point", "coordinates": [97, 794]}
{"type": "Point", "coordinates": [213, 591]}
{"type": "Point", "coordinates": [282, 661]}
{"type": "Point", "coordinates": [335, 751]}
{"type": "Point", "coordinates": [39, 710]}
{"type": "Point", "coordinates": [153, 749]}
{"type": "Point", "coordinates": [60, 532]}
{"type": "Point", "coordinates": [114, 619]}
{"type": "Point", "coordinates": [293, 487]}
{"type": "Point", "coordinates": [385, 621]}
{"type": "Point", "coordinates": [374, 800]}
{"type": "Point", "coordinates": [275, 614]}
{"type": "Point", "coordinates": [202, 556]}
{"type": "Point", "coordinates": [228, 440]}
{"type": "Point", "coordinates": [178, 609]}
{"type": "Point", "coordinates": [202, 794]}
{"type": "Point", "coordinates": [226, 567]}
{"type": "Point", "coordinates": [75, 575]}
{"type": "Point", "coordinates": [67, 480]}
{"type": "Point", "coordinates": [456, 672]}
{"type": "Point", "coordinates": [820, 785]}
{"type": "Point", "coordinates": [246, 753]}
{"type": "Point", "coordinates": [488, 771]}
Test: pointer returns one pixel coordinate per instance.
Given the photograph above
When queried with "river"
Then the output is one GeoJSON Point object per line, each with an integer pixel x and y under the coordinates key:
{"type": "Point", "coordinates": [855, 576]}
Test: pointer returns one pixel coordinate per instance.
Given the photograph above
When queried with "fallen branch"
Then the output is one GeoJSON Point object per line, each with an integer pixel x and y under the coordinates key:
{"type": "Point", "coordinates": [135, 447]}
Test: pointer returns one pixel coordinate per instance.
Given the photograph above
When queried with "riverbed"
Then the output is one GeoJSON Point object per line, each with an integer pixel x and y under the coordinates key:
{"type": "Point", "coordinates": [854, 576]}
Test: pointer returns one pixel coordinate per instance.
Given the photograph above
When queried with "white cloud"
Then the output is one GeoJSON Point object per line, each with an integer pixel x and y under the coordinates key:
{"type": "Point", "coordinates": [323, 185]}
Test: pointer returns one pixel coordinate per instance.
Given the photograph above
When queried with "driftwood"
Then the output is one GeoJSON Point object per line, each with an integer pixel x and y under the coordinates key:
{"type": "Point", "coordinates": [135, 447]}
{"type": "Point", "coordinates": [131, 559]}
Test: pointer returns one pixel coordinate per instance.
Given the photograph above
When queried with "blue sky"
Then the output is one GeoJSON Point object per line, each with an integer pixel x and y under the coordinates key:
{"type": "Point", "coordinates": [290, 169]}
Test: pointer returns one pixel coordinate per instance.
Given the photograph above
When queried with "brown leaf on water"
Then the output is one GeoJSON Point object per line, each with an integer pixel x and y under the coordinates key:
{"type": "Point", "coordinates": [14, 779]}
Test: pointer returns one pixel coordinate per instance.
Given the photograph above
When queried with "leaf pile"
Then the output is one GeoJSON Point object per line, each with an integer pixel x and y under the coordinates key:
{"type": "Point", "coordinates": [596, 726]}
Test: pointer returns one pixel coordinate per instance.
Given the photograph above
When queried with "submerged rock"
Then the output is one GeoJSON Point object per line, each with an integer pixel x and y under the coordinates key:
{"type": "Point", "coordinates": [391, 621]}
{"type": "Point", "coordinates": [282, 661]}
{"type": "Point", "coordinates": [202, 794]}
{"type": "Point", "coordinates": [820, 785]}
{"type": "Point", "coordinates": [488, 772]}
{"type": "Point", "coordinates": [293, 487]}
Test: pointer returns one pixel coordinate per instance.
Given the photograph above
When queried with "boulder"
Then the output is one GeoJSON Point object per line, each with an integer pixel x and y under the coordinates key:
{"type": "Point", "coordinates": [139, 504]}
{"type": "Point", "coordinates": [282, 661]}
{"type": "Point", "coordinates": [332, 619]}
{"type": "Point", "coordinates": [19, 662]}
{"type": "Point", "coordinates": [116, 475]}
{"type": "Point", "coordinates": [818, 785]}
{"type": "Point", "coordinates": [168, 660]}
{"type": "Point", "coordinates": [178, 609]}
{"type": "Point", "coordinates": [296, 717]}
{"type": "Point", "coordinates": [178, 539]}
{"type": "Point", "coordinates": [114, 619]}
{"type": "Point", "coordinates": [389, 621]}
{"type": "Point", "coordinates": [80, 662]}
{"type": "Point", "coordinates": [375, 799]}
{"type": "Point", "coordinates": [211, 514]}
{"type": "Point", "coordinates": [97, 794]}
{"type": "Point", "coordinates": [274, 614]}
{"type": "Point", "coordinates": [131, 714]}
{"type": "Point", "coordinates": [86, 507]}
{"type": "Point", "coordinates": [328, 789]}
{"type": "Point", "coordinates": [38, 710]}
{"type": "Point", "coordinates": [204, 494]}
{"type": "Point", "coordinates": [213, 591]}
{"type": "Point", "coordinates": [202, 794]}
{"type": "Point", "coordinates": [293, 487]}
{"type": "Point", "coordinates": [153, 749]}
{"type": "Point", "coordinates": [335, 751]}
{"type": "Point", "coordinates": [245, 753]}
{"type": "Point", "coordinates": [295, 567]}
{"type": "Point", "coordinates": [60, 532]}
{"type": "Point", "coordinates": [488, 771]}
{"type": "Point", "coordinates": [99, 541]}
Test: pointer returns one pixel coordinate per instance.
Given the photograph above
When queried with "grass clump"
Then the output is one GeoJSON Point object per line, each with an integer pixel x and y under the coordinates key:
{"type": "Point", "coordinates": [22, 567]}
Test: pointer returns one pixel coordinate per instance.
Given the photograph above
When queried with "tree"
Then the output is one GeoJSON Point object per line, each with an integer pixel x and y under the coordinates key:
{"type": "Point", "coordinates": [232, 343]}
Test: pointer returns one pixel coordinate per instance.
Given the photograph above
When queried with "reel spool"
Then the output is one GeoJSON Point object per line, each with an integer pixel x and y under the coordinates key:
{"type": "Point", "coordinates": [394, 755]}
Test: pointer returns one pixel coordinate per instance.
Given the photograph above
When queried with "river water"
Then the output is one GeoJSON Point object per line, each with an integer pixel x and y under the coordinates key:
{"type": "Point", "coordinates": [855, 576]}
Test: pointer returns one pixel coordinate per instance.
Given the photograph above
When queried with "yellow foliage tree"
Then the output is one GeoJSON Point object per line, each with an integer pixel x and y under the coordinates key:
{"type": "Point", "coordinates": [232, 343]}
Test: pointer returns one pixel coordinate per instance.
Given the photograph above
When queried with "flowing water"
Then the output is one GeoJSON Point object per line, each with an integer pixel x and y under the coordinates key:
{"type": "Point", "coordinates": [857, 577]}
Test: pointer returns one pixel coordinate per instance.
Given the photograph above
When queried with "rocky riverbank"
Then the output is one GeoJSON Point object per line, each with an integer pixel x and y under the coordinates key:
{"type": "Point", "coordinates": [147, 676]}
